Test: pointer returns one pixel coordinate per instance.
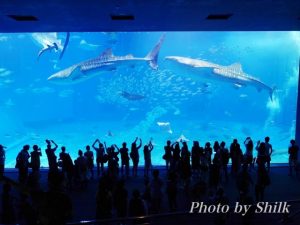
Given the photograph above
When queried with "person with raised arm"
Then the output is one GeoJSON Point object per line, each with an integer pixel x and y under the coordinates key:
{"type": "Point", "coordinates": [52, 159]}
{"type": "Point", "coordinates": [147, 158]}
{"type": "Point", "coordinates": [134, 154]}
{"type": "Point", "coordinates": [100, 153]}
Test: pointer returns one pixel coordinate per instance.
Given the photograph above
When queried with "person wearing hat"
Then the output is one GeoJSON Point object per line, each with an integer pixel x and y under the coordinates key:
{"type": "Point", "coordinates": [2, 160]}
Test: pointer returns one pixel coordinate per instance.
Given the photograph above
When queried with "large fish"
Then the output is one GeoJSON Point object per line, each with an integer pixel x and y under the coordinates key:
{"type": "Point", "coordinates": [232, 73]}
{"type": "Point", "coordinates": [49, 42]}
{"type": "Point", "coordinates": [106, 61]}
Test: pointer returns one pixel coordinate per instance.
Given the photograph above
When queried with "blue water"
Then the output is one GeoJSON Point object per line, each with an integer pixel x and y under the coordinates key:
{"type": "Point", "coordinates": [74, 115]}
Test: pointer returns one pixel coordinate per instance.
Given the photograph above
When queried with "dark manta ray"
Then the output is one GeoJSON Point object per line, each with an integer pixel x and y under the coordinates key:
{"type": "Point", "coordinates": [132, 97]}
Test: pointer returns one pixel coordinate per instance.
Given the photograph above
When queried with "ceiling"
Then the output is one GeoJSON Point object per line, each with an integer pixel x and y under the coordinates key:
{"type": "Point", "coordinates": [148, 15]}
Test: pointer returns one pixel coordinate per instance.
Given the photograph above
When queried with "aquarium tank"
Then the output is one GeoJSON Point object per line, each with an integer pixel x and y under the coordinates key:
{"type": "Point", "coordinates": [76, 87]}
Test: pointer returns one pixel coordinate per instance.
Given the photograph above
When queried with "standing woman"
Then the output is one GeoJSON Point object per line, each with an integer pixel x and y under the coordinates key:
{"type": "Point", "coordinates": [168, 154]}
{"type": "Point", "coordinates": [147, 158]}
{"type": "Point", "coordinates": [249, 152]}
{"type": "Point", "coordinates": [134, 154]}
{"type": "Point", "coordinates": [196, 152]}
{"type": "Point", "coordinates": [185, 165]}
{"type": "Point", "coordinates": [176, 156]}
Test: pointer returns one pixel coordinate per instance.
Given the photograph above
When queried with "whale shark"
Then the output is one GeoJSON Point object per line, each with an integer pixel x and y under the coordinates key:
{"type": "Point", "coordinates": [105, 62]}
{"type": "Point", "coordinates": [211, 71]}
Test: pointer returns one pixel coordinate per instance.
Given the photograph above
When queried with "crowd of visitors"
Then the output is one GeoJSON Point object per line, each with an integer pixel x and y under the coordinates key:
{"type": "Point", "coordinates": [199, 171]}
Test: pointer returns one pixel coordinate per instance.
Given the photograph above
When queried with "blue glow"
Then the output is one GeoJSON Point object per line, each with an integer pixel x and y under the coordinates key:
{"type": "Point", "coordinates": [129, 98]}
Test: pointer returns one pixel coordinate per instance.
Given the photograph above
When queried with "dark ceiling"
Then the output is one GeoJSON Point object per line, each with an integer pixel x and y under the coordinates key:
{"type": "Point", "coordinates": [148, 15]}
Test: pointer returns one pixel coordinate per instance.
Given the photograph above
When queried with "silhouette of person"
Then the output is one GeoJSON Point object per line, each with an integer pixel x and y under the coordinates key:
{"type": "Point", "coordinates": [269, 151]}
{"type": "Point", "coordinates": [124, 159]}
{"type": "Point", "coordinates": [248, 158]}
{"type": "Point", "coordinates": [236, 156]}
{"type": "Point", "coordinates": [263, 180]}
{"type": "Point", "coordinates": [293, 156]}
{"type": "Point", "coordinates": [214, 172]}
{"type": "Point", "coordinates": [35, 156]}
{"type": "Point", "coordinates": [134, 155]}
{"type": "Point", "coordinates": [243, 181]}
{"type": "Point", "coordinates": [104, 199]}
{"type": "Point", "coordinates": [147, 158]}
{"type": "Point", "coordinates": [8, 211]}
{"type": "Point", "coordinates": [120, 199]}
{"type": "Point", "coordinates": [81, 167]}
{"type": "Point", "coordinates": [208, 152]}
{"type": "Point", "coordinates": [261, 153]}
{"type": "Point", "coordinates": [185, 165]}
{"type": "Point", "coordinates": [23, 163]}
{"type": "Point", "coordinates": [220, 198]}
{"type": "Point", "coordinates": [196, 152]}
{"type": "Point", "coordinates": [113, 160]}
{"type": "Point", "coordinates": [176, 156]}
{"type": "Point", "coordinates": [2, 160]}
{"type": "Point", "coordinates": [52, 159]}
{"type": "Point", "coordinates": [137, 206]}
{"type": "Point", "coordinates": [224, 157]}
{"type": "Point", "coordinates": [216, 146]}
{"type": "Point", "coordinates": [168, 154]}
{"type": "Point", "coordinates": [100, 155]}
{"type": "Point", "coordinates": [67, 166]}
{"type": "Point", "coordinates": [171, 191]}
{"type": "Point", "coordinates": [90, 160]}
{"type": "Point", "coordinates": [156, 192]}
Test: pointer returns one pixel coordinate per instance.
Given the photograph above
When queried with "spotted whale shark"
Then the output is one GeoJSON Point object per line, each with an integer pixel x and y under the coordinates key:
{"type": "Point", "coordinates": [232, 73]}
{"type": "Point", "coordinates": [105, 62]}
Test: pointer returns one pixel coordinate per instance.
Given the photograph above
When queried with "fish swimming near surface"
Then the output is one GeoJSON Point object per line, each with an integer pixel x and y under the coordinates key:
{"type": "Point", "coordinates": [48, 48]}
{"type": "Point", "coordinates": [50, 42]}
{"type": "Point", "coordinates": [132, 97]}
{"type": "Point", "coordinates": [233, 73]}
{"type": "Point", "coordinates": [105, 62]}
{"type": "Point", "coordinates": [165, 126]}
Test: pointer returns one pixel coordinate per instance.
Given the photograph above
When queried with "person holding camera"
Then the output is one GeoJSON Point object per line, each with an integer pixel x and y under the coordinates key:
{"type": "Point", "coordinates": [52, 159]}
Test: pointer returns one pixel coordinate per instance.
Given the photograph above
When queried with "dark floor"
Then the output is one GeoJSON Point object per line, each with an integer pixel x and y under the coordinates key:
{"type": "Point", "coordinates": [282, 188]}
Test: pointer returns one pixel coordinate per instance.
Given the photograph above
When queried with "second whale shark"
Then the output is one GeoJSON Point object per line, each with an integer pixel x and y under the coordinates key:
{"type": "Point", "coordinates": [105, 62]}
{"type": "Point", "coordinates": [205, 70]}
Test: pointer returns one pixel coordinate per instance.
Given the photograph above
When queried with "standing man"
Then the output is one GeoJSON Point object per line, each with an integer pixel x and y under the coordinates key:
{"type": "Point", "coordinates": [23, 163]}
{"type": "Point", "coordinates": [52, 159]}
{"type": "Point", "coordinates": [90, 160]}
{"type": "Point", "coordinates": [269, 151]}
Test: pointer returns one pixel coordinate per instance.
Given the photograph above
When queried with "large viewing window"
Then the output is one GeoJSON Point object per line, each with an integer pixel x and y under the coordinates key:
{"type": "Point", "coordinates": [205, 86]}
